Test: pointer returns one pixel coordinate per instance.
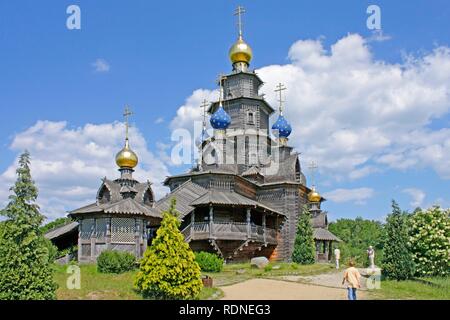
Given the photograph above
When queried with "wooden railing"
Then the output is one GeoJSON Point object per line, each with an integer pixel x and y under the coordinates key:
{"type": "Point", "coordinates": [229, 231]}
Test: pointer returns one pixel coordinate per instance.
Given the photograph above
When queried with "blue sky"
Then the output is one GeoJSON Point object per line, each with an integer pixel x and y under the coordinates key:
{"type": "Point", "coordinates": [160, 53]}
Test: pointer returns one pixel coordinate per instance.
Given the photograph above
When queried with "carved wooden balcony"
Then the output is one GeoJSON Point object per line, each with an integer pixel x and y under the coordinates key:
{"type": "Point", "coordinates": [230, 231]}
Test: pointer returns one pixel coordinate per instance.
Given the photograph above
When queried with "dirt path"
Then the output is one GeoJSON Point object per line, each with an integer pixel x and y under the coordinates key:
{"type": "Point", "coordinates": [320, 287]}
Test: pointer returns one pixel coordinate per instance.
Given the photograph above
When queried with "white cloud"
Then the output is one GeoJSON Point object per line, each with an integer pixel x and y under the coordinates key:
{"type": "Point", "coordinates": [357, 195]}
{"type": "Point", "coordinates": [101, 66]}
{"type": "Point", "coordinates": [159, 120]}
{"type": "Point", "coordinates": [417, 195]}
{"type": "Point", "coordinates": [356, 115]}
{"type": "Point", "coordinates": [68, 163]}
{"type": "Point", "coordinates": [191, 111]}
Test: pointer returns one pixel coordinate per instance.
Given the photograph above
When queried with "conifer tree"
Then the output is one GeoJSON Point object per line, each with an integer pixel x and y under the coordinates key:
{"type": "Point", "coordinates": [430, 242]}
{"type": "Point", "coordinates": [397, 263]}
{"type": "Point", "coordinates": [25, 267]}
{"type": "Point", "coordinates": [304, 247]}
{"type": "Point", "coordinates": [168, 269]}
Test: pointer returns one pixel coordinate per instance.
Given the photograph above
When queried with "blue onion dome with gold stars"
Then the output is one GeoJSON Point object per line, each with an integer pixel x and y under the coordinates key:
{"type": "Point", "coordinates": [281, 128]}
{"type": "Point", "coordinates": [220, 120]}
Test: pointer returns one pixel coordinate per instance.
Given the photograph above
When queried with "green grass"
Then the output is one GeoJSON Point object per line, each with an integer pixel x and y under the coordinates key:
{"type": "Point", "coordinates": [438, 289]}
{"type": "Point", "coordinates": [98, 286]}
{"type": "Point", "coordinates": [235, 273]}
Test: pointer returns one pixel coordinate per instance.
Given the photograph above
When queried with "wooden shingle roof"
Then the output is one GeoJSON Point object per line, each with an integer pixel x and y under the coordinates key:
{"type": "Point", "coordinates": [125, 206]}
{"type": "Point", "coordinates": [324, 234]}
{"type": "Point", "coordinates": [62, 230]}
{"type": "Point", "coordinates": [216, 197]}
{"type": "Point", "coordinates": [184, 194]}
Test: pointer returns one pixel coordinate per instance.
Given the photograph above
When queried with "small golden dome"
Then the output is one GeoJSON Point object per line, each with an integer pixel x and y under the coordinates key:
{"type": "Point", "coordinates": [241, 52]}
{"type": "Point", "coordinates": [126, 158]}
{"type": "Point", "coordinates": [314, 196]}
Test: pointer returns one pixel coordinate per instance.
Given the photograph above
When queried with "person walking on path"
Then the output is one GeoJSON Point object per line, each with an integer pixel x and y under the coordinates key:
{"type": "Point", "coordinates": [352, 277]}
{"type": "Point", "coordinates": [337, 257]}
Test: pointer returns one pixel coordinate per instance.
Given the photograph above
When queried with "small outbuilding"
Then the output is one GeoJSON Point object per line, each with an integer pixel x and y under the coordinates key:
{"type": "Point", "coordinates": [123, 216]}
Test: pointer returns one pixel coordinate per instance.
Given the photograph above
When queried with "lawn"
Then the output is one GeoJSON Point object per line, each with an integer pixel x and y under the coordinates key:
{"type": "Point", "coordinates": [98, 286]}
{"type": "Point", "coordinates": [422, 289]}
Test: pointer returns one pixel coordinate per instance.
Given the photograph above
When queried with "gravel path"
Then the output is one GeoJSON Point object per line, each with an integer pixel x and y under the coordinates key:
{"type": "Point", "coordinates": [320, 287]}
{"type": "Point", "coordinates": [332, 280]}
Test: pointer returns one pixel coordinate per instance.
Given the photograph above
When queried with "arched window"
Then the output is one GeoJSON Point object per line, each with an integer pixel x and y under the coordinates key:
{"type": "Point", "coordinates": [250, 117]}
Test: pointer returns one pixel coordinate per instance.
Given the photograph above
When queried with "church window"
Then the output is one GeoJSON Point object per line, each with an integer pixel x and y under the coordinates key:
{"type": "Point", "coordinates": [250, 117]}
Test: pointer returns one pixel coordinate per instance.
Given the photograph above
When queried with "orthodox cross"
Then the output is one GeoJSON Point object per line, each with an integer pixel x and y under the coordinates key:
{"type": "Point", "coordinates": [239, 12]}
{"type": "Point", "coordinates": [127, 113]}
{"type": "Point", "coordinates": [280, 88]}
{"type": "Point", "coordinates": [221, 78]}
{"type": "Point", "coordinates": [313, 167]}
{"type": "Point", "coordinates": [204, 105]}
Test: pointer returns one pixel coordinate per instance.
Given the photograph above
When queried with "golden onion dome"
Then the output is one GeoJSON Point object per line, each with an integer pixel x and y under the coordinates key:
{"type": "Point", "coordinates": [127, 158]}
{"type": "Point", "coordinates": [314, 196]}
{"type": "Point", "coordinates": [241, 52]}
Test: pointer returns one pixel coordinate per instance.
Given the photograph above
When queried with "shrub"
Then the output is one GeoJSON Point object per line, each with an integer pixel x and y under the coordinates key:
{"type": "Point", "coordinates": [52, 250]}
{"type": "Point", "coordinates": [304, 247]}
{"type": "Point", "coordinates": [430, 240]}
{"type": "Point", "coordinates": [397, 261]}
{"type": "Point", "coordinates": [25, 270]}
{"type": "Point", "coordinates": [168, 269]}
{"type": "Point", "coordinates": [111, 261]}
{"type": "Point", "coordinates": [209, 262]}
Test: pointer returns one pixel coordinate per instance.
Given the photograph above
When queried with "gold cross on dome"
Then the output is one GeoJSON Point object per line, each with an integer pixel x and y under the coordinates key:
{"type": "Point", "coordinates": [126, 114]}
{"type": "Point", "coordinates": [280, 88]}
{"type": "Point", "coordinates": [239, 12]}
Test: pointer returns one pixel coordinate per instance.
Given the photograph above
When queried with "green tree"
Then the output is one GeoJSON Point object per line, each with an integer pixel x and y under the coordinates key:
{"type": "Point", "coordinates": [25, 267]}
{"type": "Point", "coordinates": [168, 269]}
{"type": "Point", "coordinates": [398, 260]}
{"type": "Point", "coordinates": [430, 241]}
{"type": "Point", "coordinates": [304, 247]}
{"type": "Point", "coordinates": [357, 235]}
{"type": "Point", "coordinates": [55, 224]}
